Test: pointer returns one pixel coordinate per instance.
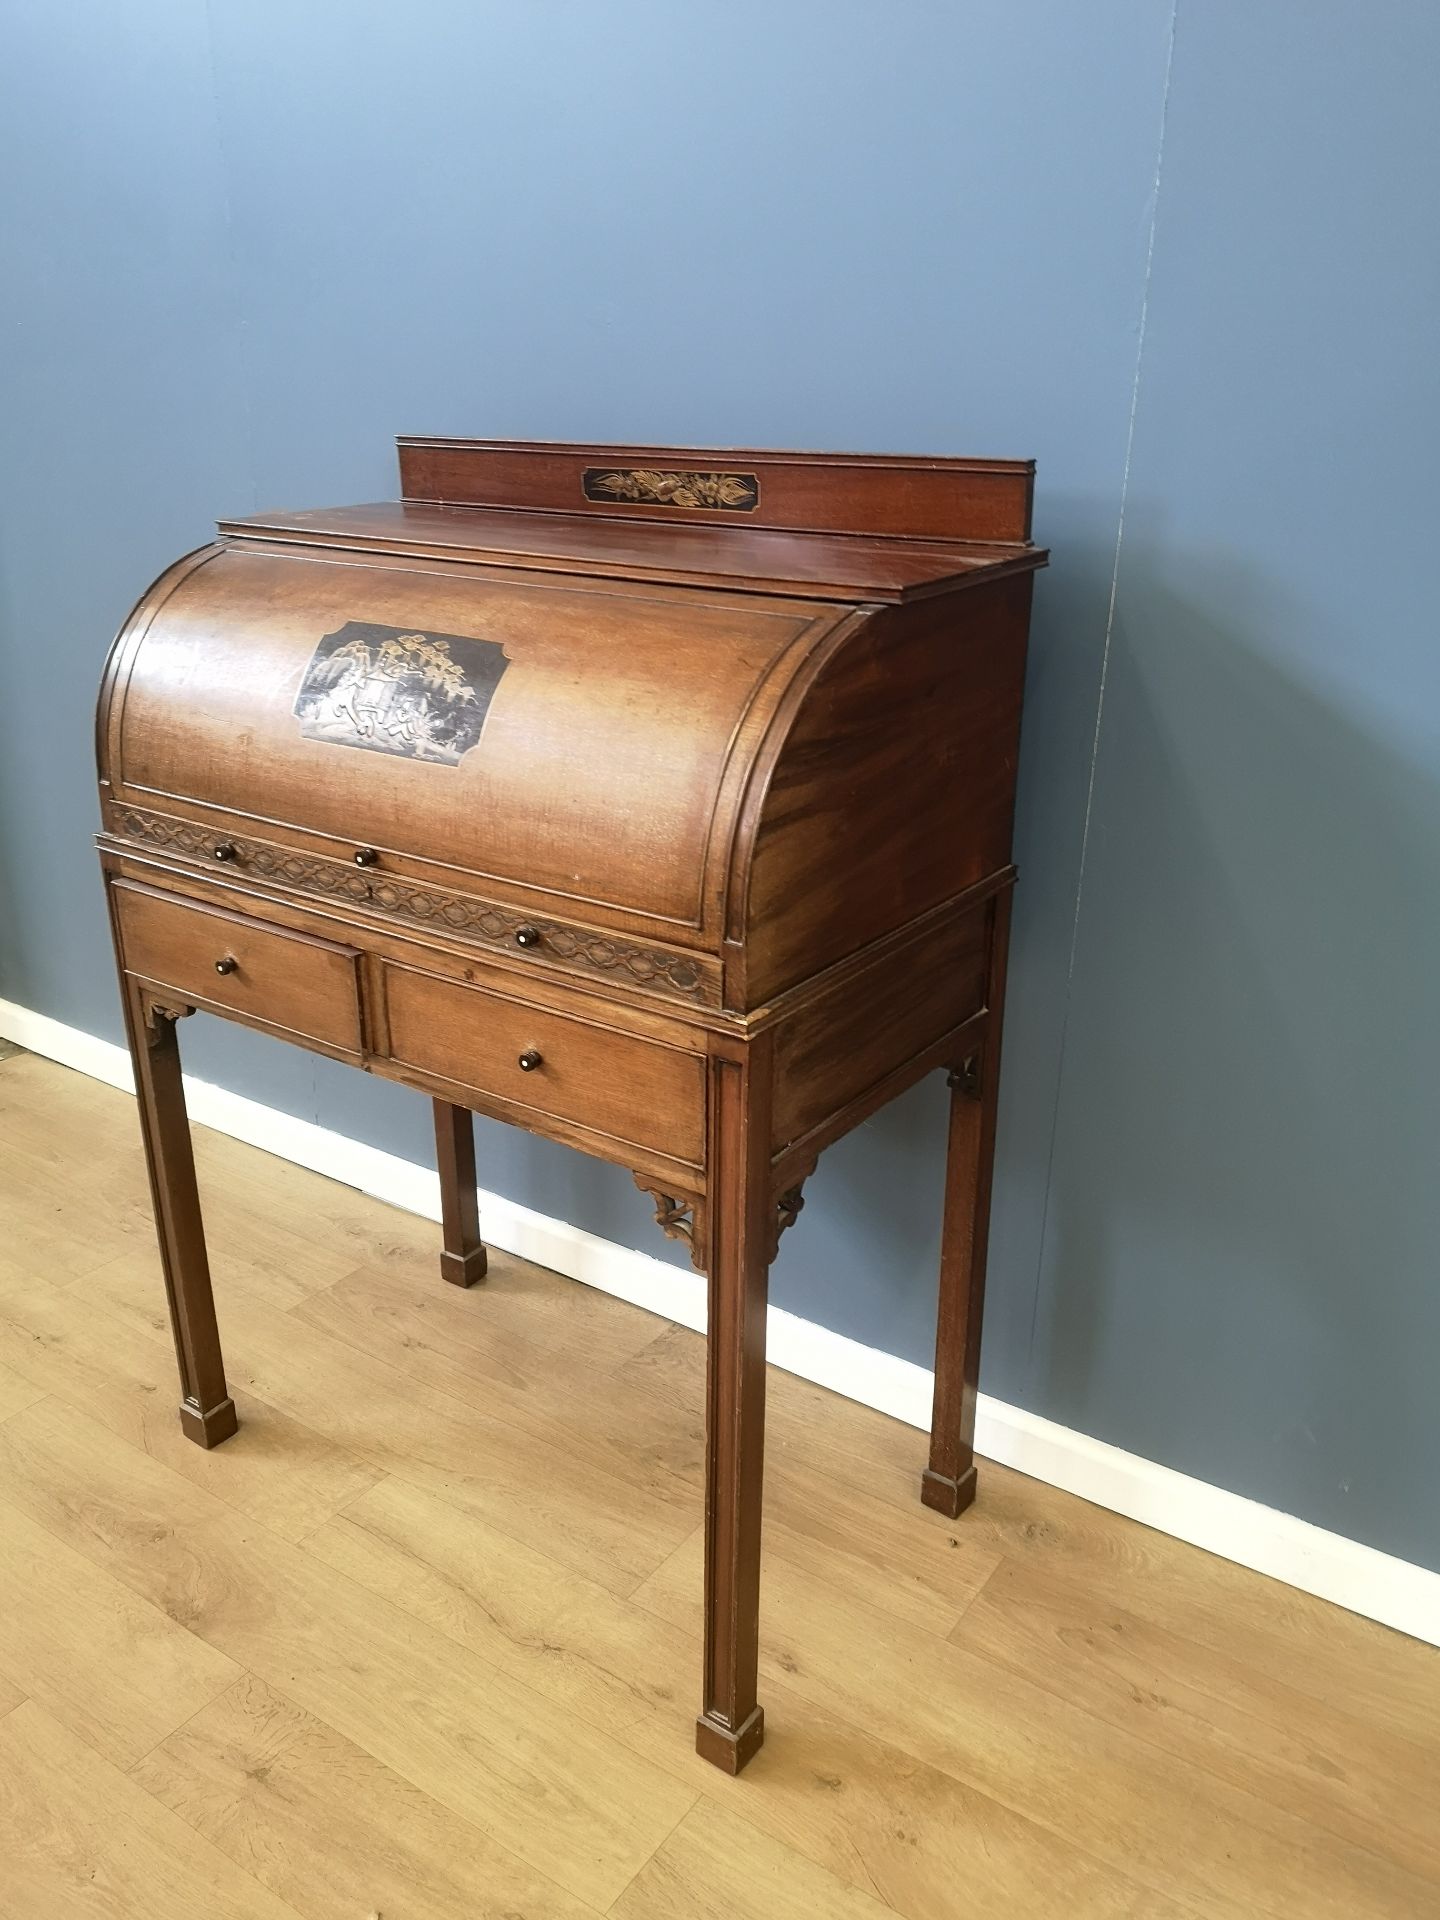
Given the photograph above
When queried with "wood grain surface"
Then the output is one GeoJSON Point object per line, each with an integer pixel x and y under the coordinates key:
{"type": "Point", "coordinates": [288, 981]}
{"type": "Point", "coordinates": [610, 1081]}
{"type": "Point", "coordinates": [903, 497]}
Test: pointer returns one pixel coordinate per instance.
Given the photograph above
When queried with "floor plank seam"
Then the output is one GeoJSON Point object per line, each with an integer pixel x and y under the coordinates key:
{"type": "Point", "coordinates": [953, 1630]}
{"type": "Point", "coordinates": [1198, 1763]}
{"type": "Point", "coordinates": [241, 1679]}
{"type": "Point", "coordinates": [339, 1512]}
{"type": "Point", "coordinates": [657, 1849]}
{"type": "Point", "coordinates": [629, 1597]}
{"type": "Point", "coordinates": [275, 1907]}
{"type": "Point", "coordinates": [400, 1773]}
{"type": "Point", "coordinates": [401, 1381]}
{"type": "Point", "coordinates": [25, 1406]}
{"type": "Point", "coordinates": [245, 1675]}
{"type": "Point", "coordinates": [1153, 1886]}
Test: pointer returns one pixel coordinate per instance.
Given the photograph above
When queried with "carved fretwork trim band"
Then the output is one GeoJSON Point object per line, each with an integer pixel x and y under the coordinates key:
{"type": "Point", "coordinates": [672, 974]}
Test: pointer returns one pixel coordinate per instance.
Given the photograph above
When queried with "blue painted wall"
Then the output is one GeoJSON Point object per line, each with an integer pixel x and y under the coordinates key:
{"type": "Point", "coordinates": [1178, 254]}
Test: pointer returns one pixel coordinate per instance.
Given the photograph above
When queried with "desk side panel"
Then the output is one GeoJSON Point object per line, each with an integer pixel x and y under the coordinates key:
{"type": "Point", "coordinates": [876, 1024]}
{"type": "Point", "coordinates": [894, 789]}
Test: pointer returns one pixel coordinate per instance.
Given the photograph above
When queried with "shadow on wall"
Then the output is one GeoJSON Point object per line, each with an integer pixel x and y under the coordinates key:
{"type": "Point", "coordinates": [1062, 684]}
{"type": "Point", "coordinates": [1245, 1211]}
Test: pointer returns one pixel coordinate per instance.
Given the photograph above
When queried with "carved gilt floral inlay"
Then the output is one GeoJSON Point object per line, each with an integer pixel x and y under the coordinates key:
{"type": "Point", "coordinates": [656, 487]}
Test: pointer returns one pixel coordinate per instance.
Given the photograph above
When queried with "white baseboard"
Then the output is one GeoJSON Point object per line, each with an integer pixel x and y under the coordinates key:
{"type": "Point", "coordinates": [1352, 1575]}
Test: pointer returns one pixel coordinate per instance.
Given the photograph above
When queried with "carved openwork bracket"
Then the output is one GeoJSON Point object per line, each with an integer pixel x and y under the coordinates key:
{"type": "Point", "coordinates": [682, 1216]}
{"type": "Point", "coordinates": [157, 1010]}
{"type": "Point", "coordinates": [679, 1217]}
{"type": "Point", "coordinates": [966, 1077]}
{"type": "Point", "coordinates": [788, 1206]}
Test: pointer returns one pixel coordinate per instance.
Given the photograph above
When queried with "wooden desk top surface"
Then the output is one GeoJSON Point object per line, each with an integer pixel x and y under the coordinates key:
{"type": "Point", "coordinates": [815, 565]}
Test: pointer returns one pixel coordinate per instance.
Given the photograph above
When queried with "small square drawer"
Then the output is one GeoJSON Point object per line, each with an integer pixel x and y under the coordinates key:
{"type": "Point", "coordinates": [612, 1083]}
{"type": "Point", "coordinates": [288, 980]}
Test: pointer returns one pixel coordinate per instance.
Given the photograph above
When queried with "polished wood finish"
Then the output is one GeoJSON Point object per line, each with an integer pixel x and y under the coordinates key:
{"type": "Point", "coordinates": [657, 801]}
{"type": "Point", "coordinates": [600, 960]}
{"type": "Point", "coordinates": [732, 1723]}
{"type": "Point", "coordinates": [207, 1413]}
{"type": "Point", "coordinates": [624, 1090]}
{"type": "Point", "coordinates": [836, 1046]}
{"type": "Point", "coordinates": [893, 495]}
{"type": "Point", "coordinates": [421, 1641]}
{"type": "Point", "coordinates": [302, 987]}
{"type": "Point", "coordinates": [948, 1483]}
{"type": "Point", "coordinates": [463, 1257]}
{"type": "Point", "coordinates": [531, 818]}
{"type": "Point", "coordinates": [903, 755]}
{"type": "Point", "coordinates": [749, 559]}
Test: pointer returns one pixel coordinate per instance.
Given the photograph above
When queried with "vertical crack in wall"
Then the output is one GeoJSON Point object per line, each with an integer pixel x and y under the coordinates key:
{"type": "Point", "coordinates": [1100, 690]}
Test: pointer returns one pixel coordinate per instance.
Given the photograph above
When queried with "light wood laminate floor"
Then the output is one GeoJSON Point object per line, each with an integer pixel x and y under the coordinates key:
{"type": "Point", "coordinates": [423, 1639]}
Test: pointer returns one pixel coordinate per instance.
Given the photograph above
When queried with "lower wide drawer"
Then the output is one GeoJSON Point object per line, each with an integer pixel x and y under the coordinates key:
{"type": "Point", "coordinates": [608, 1082]}
{"type": "Point", "coordinates": [287, 980]}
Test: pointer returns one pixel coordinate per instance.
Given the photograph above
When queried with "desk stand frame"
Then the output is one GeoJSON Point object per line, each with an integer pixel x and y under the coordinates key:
{"type": "Point", "coordinates": [738, 1227]}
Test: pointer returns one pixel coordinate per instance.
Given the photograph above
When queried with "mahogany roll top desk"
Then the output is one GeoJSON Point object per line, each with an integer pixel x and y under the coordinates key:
{"type": "Point", "coordinates": [657, 800]}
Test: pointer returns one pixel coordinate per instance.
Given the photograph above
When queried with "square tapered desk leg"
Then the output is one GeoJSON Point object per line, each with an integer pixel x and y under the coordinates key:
{"type": "Point", "coordinates": [741, 1209]}
{"type": "Point", "coordinates": [948, 1484]}
{"type": "Point", "coordinates": [207, 1413]}
{"type": "Point", "coordinates": [463, 1260]}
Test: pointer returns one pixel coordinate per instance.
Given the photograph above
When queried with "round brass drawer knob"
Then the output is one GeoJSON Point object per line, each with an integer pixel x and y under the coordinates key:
{"type": "Point", "coordinates": [366, 856]}
{"type": "Point", "coordinates": [227, 850]}
{"type": "Point", "coordinates": [527, 936]}
{"type": "Point", "coordinates": [226, 964]}
{"type": "Point", "coordinates": [528, 1061]}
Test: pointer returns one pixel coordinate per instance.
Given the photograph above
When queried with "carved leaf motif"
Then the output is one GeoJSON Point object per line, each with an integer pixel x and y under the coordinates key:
{"type": "Point", "coordinates": [730, 491]}
{"type": "Point", "coordinates": [733, 492]}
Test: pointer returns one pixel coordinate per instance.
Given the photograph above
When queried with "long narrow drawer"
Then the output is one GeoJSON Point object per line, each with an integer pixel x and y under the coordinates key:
{"type": "Point", "coordinates": [609, 1082]}
{"type": "Point", "coordinates": [288, 980]}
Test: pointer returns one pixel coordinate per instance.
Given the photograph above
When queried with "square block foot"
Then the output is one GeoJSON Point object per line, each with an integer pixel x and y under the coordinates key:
{"type": "Point", "coordinates": [464, 1269]}
{"type": "Point", "coordinates": [208, 1429]}
{"type": "Point", "coordinates": [947, 1496]}
{"type": "Point", "coordinates": [730, 1748]}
